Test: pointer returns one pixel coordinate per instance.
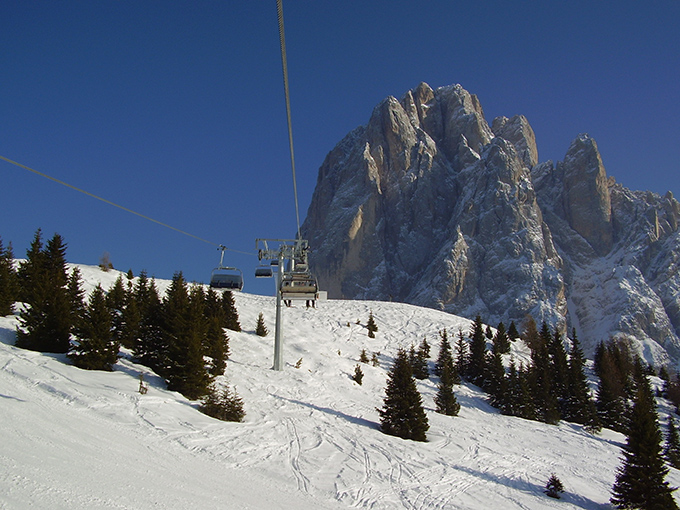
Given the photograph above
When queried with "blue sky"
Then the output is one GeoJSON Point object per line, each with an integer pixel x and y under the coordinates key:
{"type": "Point", "coordinates": [175, 109]}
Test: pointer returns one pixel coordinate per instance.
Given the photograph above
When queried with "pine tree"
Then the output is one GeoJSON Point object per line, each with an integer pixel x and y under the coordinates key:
{"type": "Point", "coordinates": [541, 380]}
{"type": "Point", "coordinates": [260, 328]}
{"type": "Point", "coordinates": [371, 325]}
{"type": "Point", "coordinates": [671, 450]}
{"type": "Point", "coordinates": [462, 355]}
{"type": "Point", "coordinates": [76, 296]}
{"type": "Point", "coordinates": [216, 340]}
{"type": "Point", "coordinates": [231, 314]}
{"type": "Point", "coordinates": [640, 481]}
{"type": "Point", "coordinates": [495, 382]}
{"type": "Point", "coordinates": [150, 344]}
{"type": "Point", "coordinates": [115, 301]}
{"type": "Point", "coordinates": [47, 322]}
{"type": "Point", "coordinates": [418, 363]}
{"type": "Point", "coordinates": [513, 334]}
{"type": "Point", "coordinates": [402, 414]}
{"type": "Point", "coordinates": [8, 280]}
{"type": "Point", "coordinates": [363, 357]}
{"type": "Point", "coordinates": [358, 376]}
{"type": "Point", "coordinates": [31, 275]}
{"type": "Point", "coordinates": [445, 358]}
{"type": "Point", "coordinates": [530, 333]}
{"type": "Point", "coordinates": [511, 402]}
{"type": "Point", "coordinates": [223, 404]}
{"type": "Point", "coordinates": [527, 405]}
{"type": "Point", "coordinates": [501, 342]}
{"type": "Point", "coordinates": [611, 400]}
{"type": "Point", "coordinates": [95, 348]}
{"type": "Point", "coordinates": [445, 399]}
{"type": "Point", "coordinates": [579, 406]}
{"type": "Point", "coordinates": [559, 370]}
{"type": "Point", "coordinates": [425, 348]}
{"type": "Point", "coordinates": [183, 333]}
{"type": "Point", "coordinates": [477, 359]}
{"type": "Point", "coordinates": [554, 488]}
{"type": "Point", "coordinates": [130, 321]}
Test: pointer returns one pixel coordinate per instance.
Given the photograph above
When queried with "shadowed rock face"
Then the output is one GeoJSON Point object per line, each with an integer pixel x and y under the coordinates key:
{"type": "Point", "coordinates": [586, 194]}
{"type": "Point", "coordinates": [427, 204]}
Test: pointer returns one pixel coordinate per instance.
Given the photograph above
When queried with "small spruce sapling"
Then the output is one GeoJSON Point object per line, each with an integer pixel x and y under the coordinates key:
{"type": "Point", "coordinates": [358, 376]}
{"type": "Point", "coordinates": [260, 328]}
{"type": "Point", "coordinates": [363, 357]}
{"type": "Point", "coordinates": [554, 487]}
{"type": "Point", "coordinates": [371, 325]}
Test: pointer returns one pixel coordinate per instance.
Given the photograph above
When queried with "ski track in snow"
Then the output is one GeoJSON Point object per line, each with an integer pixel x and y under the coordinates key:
{"type": "Point", "coordinates": [310, 440]}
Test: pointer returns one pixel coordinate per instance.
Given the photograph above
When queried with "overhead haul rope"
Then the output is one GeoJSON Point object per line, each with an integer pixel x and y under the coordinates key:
{"type": "Point", "coordinates": [115, 205]}
{"type": "Point", "coordinates": [284, 61]}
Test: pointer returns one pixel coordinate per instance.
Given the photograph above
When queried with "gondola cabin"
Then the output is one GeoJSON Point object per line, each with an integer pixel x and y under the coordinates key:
{"type": "Point", "coordinates": [263, 272]}
{"type": "Point", "coordinates": [226, 278]}
{"type": "Point", "coordinates": [299, 286]}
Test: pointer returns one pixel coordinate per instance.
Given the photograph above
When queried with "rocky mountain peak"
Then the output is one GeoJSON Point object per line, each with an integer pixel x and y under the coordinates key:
{"type": "Point", "coordinates": [427, 204]}
{"type": "Point", "coordinates": [518, 132]}
{"type": "Point", "coordinates": [586, 194]}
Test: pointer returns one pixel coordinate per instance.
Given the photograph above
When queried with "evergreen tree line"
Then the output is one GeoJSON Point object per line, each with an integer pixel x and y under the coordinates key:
{"type": "Point", "coordinates": [553, 386]}
{"type": "Point", "coordinates": [173, 335]}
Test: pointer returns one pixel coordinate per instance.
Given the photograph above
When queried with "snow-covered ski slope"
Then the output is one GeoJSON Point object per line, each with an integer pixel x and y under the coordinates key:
{"type": "Point", "coordinates": [76, 439]}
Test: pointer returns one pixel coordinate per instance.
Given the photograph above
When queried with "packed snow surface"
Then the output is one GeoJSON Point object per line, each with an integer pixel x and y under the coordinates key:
{"type": "Point", "coordinates": [78, 439]}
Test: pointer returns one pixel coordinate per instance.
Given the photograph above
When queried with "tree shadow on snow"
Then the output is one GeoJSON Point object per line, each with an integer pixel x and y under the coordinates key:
{"type": "Point", "coordinates": [534, 489]}
{"type": "Point", "coordinates": [352, 419]}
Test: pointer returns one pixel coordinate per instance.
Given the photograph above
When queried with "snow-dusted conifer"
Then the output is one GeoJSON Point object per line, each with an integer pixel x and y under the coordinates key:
{"type": "Point", "coordinates": [579, 407]}
{"type": "Point", "coordinates": [501, 342]}
{"type": "Point", "coordinates": [462, 355]}
{"type": "Point", "coordinates": [402, 414]}
{"type": "Point", "coordinates": [358, 375]}
{"type": "Point", "coordinates": [671, 450]}
{"type": "Point", "coordinates": [8, 280]}
{"type": "Point", "coordinates": [95, 347]}
{"type": "Point", "coordinates": [418, 363]}
{"type": "Point", "coordinates": [477, 359]}
{"type": "Point", "coordinates": [640, 481]}
{"type": "Point", "coordinates": [216, 340]}
{"type": "Point", "coordinates": [541, 379]}
{"type": "Point", "coordinates": [260, 327]}
{"type": "Point", "coordinates": [231, 314]}
{"type": "Point", "coordinates": [554, 488]}
{"type": "Point", "coordinates": [150, 344]}
{"type": "Point", "coordinates": [223, 404]}
{"type": "Point", "coordinates": [116, 298]}
{"type": "Point", "coordinates": [183, 333]}
{"type": "Point", "coordinates": [363, 357]}
{"type": "Point", "coordinates": [371, 325]}
{"type": "Point", "coordinates": [445, 399]}
{"type": "Point", "coordinates": [445, 358]}
{"type": "Point", "coordinates": [47, 323]}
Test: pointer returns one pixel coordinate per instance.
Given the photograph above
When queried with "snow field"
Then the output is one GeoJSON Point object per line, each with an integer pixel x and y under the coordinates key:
{"type": "Point", "coordinates": [311, 439]}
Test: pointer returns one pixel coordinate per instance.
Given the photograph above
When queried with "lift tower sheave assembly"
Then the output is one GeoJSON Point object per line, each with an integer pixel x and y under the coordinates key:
{"type": "Point", "coordinates": [293, 280]}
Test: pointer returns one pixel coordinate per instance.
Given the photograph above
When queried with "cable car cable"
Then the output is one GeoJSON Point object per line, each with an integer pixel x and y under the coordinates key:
{"type": "Point", "coordinates": [284, 61]}
{"type": "Point", "coordinates": [41, 174]}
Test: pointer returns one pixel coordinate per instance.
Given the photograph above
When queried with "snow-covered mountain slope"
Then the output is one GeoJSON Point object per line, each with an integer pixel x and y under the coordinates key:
{"type": "Point", "coordinates": [85, 440]}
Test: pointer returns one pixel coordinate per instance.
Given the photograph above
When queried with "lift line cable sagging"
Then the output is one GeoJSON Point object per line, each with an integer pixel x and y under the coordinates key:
{"type": "Point", "coordinates": [41, 174]}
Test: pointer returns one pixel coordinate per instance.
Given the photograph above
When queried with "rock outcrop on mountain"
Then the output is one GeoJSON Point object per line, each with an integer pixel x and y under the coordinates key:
{"type": "Point", "coordinates": [430, 205]}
